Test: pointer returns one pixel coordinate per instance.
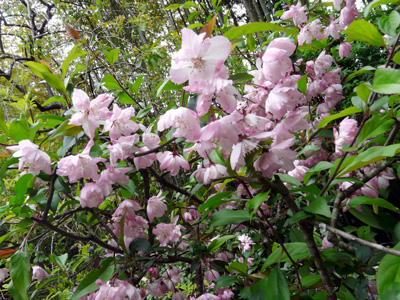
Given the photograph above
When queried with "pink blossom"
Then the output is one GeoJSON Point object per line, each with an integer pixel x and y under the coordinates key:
{"type": "Point", "coordinates": [178, 296]}
{"type": "Point", "coordinates": [198, 59]}
{"type": "Point", "coordinates": [30, 153]}
{"type": "Point", "coordinates": [120, 122]}
{"type": "Point", "coordinates": [348, 15]}
{"type": "Point", "coordinates": [172, 162]}
{"type": "Point", "coordinates": [151, 140]}
{"type": "Point", "coordinates": [322, 63]}
{"type": "Point", "coordinates": [297, 13]}
{"type": "Point", "coordinates": [80, 165]}
{"type": "Point", "coordinates": [4, 273]}
{"type": "Point", "coordinates": [207, 174]}
{"type": "Point", "coordinates": [122, 148]}
{"type": "Point", "coordinates": [185, 121]}
{"type": "Point", "coordinates": [155, 207]}
{"type": "Point", "coordinates": [333, 29]}
{"type": "Point", "coordinates": [111, 175]}
{"type": "Point", "coordinates": [166, 233]}
{"type": "Point", "coordinates": [145, 161]}
{"type": "Point", "coordinates": [345, 49]}
{"type": "Point", "coordinates": [347, 131]}
{"type": "Point", "coordinates": [299, 171]}
{"type": "Point", "coordinates": [245, 242]}
{"type": "Point", "coordinates": [172, 277]}
{"type": "Point", "coordinates": [310, 31]}
{"type": "Point", "coordinates": [326, 244]}
{"type": "Point", "coordinates": [90, 112]}
{"type": "Point", "coordinates": [239, 152]}
{"type": "Point", "coordinates": [39, 273]}
{"type": "Point", "coordinates": [91, 195]}
{"type": "Point", "coordinates": [208, 296]}
{"type": "Point", "coordinates": [153, 272]}
{"type": "Point", "coordinates": [276, 64]}
{"type": "Point", "coordinates": [211, 275]}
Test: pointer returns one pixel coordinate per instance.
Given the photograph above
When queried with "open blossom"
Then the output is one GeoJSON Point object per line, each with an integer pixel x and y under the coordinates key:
{"type": "Point", "coordinates": [198, 58]}
{"type": "Point", "coordinates": [90, 112]}
{"type": "Point", "coordinates": [91, 195]}
{"type": "Point", "coordinates": [151, 140]}
{"type": "Point", "coordinates": [80, 166]}
{"type": "Point", "coordinates": [122, 148]}
{"type": "Point", "coordinates": [112, 175]}
{"type": "Point", "coordinates": [172, 162]}
{"type": "Point", "coordinates": [117, 290]}
{"type": "Point", "coordinates": [167, 233]}
{"type": "Point", "coordinates": [297, 13]}
{"type": "Point", "coordinates": [185, 121]}
{"type": "Point", "coordinates": [120, 122]}
{"type": "Point", "coordinates": [155, 207]}
{"type": "Point", "coordinates": [30, 153]}
{"type": "Point", "coordinates": [142, 162]}
{"type": "Point", "coordinates": [310, 31]}
{"type": "Point", "coordinates": [39, 273]}
{"type": "Point", "coordinates": [245, 242]}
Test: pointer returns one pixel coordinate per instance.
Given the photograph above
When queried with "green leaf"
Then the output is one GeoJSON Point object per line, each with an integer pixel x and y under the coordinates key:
{"type": "Point", "coordinates": [388, 271]}
{"type": "Point", "coordinates": [376, 3]}
{"type": "Point", "coordinates": [110, 82]}
{"type": "Point", "coordinates": [53, 99]}
{"type": "Point", "coordinates": [254, 204]}
{"type": "Point", "coordinates": [217, 158]}
{"type": "Point", "coordinates": [21, 187]}
{"type": "Point", "coordinates": [124, 98]}
{"type": "Point", "coordinates": [140, 244]}
{"type": "Point", "coordinates": [195, 25]}
{"type": "Point", "coordinates": [228, 216]}
{"type": "Point", "coordinates": [88, 284]}
{"type": "Point", "coordinates": [396, 58]}
{"type": "Point", "coordinates": [391, 292]}
{"type": "Point", "coordinates": [238, 267]}
{"type": "Point", "coordinates": [344, 113]}
{"type": "Point", "coordinates": [167, 85]}
{"type": "Point", "coordinates": [138, 82]}
{"type": "Point", "coordinates": [65, 130]}
{"type": "Point", "coordinates": [242, 77]}
{"type": "Point", "coordinates": [251, 42]}
{"type": "Point", "coordinates": [55, 82]}
{"type": "Point", "coordinates": [296, 251]}
{"type": "Point", "coordinates": [60, 260]}
{"type": "Point", "coordinates": [223, 281]}
{"type": "Point", "coordinates": [96, 151]}
{"type": "Point", "coordinates": [20, 273]}
{"type": "Point", "coordinates": [257, 27]}
{"type": "Point", "coordinates": [302, 84]}
{"type": "Point", "coordinates": [367, 157]}
{"type": "Point", "coordinates": [367, 217]}
{"type": "Point", "coordinates": [319, 206]}
{"type": "Point", "coordinates": [215, 244]}
{"type": "Point", "coordinates": [75, 53]}
{"type": "Point", "coordinates": [19, 130]}
{"type": "Point", "coordinates": [277, 286]}
{"type": "Point", "coordinates": [359, 200]}
{"type": "Point", "coordinates": [37, 68]}
{"type": "Point", "coordinates": [375, 126]}
{"type": "Point", "coordinates": [386, 81]}
{"type": "Point", "coordinates": [112, 56]}
{"type": "Point", "coordinates": [214, 201]}
{"type": "Point", "coordinates": [367, 69]}
{"type": "Point", "coordinates": [363, 31]}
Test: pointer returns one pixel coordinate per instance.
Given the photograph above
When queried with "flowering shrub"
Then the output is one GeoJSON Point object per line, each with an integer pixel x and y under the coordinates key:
{"type": "Point", "coordinates": [270, 184]}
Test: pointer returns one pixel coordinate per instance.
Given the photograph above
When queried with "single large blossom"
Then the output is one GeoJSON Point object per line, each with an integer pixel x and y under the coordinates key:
{"type": "Point", "coordinates": [29, 153]}
{"type": "Point", "coordinates": [90, 112]}
{"type": "Point", "coordinates": [120, 122]}
{"type": "Point", "coordinates": [198, 58]}
{"type": "Point", "coordinates": [80, 166]}
{"type": "Point", "coordinates": [185, 121]}
{"type": "Point", "coordinates": [172, 162]}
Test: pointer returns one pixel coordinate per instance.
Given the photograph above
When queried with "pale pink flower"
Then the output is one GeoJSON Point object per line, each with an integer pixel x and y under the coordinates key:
{"type": "Point", "coordinates": [245, 242]}
{"type": "Point", "coordinates": [172, 162]}
{"type": "Point", "coordinates": [185, 121]}
{"type": "Point", "coordinates": [156, 207]}
{"type": "Point", "coordinates": [299, 171]}
{"type": "Point", "coordinates": [145, 161]}
{"type": "Point", "coordinates": [153, 272]}
{"type": "Point", "coordinates": [4, 273]}
{"type": "Point", "coordinates": [111, 175]}
{"type": "Point", "coordinates": [276, 64]}
{"type": "Point", "coordinates": [208, 296]}
{"type": "Point", "coordinates": [337, 3]}
{"type": "Point", "coordinates": [90, 112]}
{"type": "Point", "coordinates": [120, 122]}
{"type": "Point", "coordinates": [326, 244]}
{"type": "Point", "coordinates": [347, 131]}
{"type": "Point", "coordinates": [30, 153]}
{"type": "Point", "coordinates": [333, 29]}
{"type": "Point", "coordinates": [207, 174]}
{"type": "Point", "coordinates": [80, 165]}
{"type": "Point", "coordinates": [166, 233]}
{"type": "Point", "coordinates": [39, 273]}
{"type": "Point", "coordinates": [198, 58]}
{"type": "Point", "coordinates": [297, 13]}
{"type": "Point", "coordinates": [178, 296]}
{"type": "Point", "coordinates": [348, 15]}
{"type": "Point", "coordinates": [239, 151]}
{"type": "Point", "coordinates": [151, 140]}
{"type": "Point", "coordinates": [345, 49]}
{"type": "Point", "coordinates": [172, 277]}
{"type": "Point", "coordinates": [122, 148]}
{"type": "Point", "coordinates": [91, 195]}
{"type": "Point", "coordinates": [310, 31]}
{"type": "Point", "coordinates": [322, 63]}
{"type": "Point", "coordinates": [212, 275]}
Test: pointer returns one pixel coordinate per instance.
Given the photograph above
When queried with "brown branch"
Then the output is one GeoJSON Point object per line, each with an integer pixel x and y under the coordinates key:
{"type": "Point", "coordinates": [154, 149]}
{"type": "Point", "coordinates": [52, 189]}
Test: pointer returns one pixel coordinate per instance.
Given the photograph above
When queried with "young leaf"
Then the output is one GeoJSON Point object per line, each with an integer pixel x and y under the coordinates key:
{"type": "Point", "coordinates": [363, 31]}
{"type": "Point", "coordinates": [20, 273]}
{"type": "Point", "coordinates": [257, 27]}
{"type": "Point", "coordinates": [228, 216]}
{"type": "Point", "coordinates": [112, 56]}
